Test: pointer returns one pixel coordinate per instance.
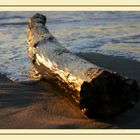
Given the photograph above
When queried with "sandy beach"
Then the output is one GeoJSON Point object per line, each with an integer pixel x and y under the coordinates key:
{"type": "Point", "coordinates": [40, 105]}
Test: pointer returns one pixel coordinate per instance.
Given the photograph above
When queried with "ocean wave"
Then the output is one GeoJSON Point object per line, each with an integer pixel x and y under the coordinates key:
{"type": "Point", "coordinates": [110, 33]}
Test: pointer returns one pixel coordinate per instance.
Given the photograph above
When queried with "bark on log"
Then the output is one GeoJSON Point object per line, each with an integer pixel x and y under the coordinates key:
{"type": "Point", "coordinates": [95, 89]}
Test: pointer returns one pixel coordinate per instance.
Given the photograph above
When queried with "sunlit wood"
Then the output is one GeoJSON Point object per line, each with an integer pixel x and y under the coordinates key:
{"type": "Point", "coordinates": [95, 89]}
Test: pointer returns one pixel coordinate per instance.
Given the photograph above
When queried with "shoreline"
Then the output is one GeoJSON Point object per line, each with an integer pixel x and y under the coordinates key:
{"type": "Point", "coordinates": [40, 105]}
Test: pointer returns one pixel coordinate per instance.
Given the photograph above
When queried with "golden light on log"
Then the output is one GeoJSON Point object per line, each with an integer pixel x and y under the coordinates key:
{"type": "Point", "coordinates": [96, 90]}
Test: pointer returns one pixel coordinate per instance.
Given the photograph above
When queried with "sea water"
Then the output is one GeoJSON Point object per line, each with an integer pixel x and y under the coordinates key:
{"type": "Point", "coordinates": [106, 32]}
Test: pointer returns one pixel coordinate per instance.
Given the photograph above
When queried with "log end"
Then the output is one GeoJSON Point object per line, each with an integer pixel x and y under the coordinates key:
{"type": "Point", "coordinates": [108, 94]}
{"type": "Point", "coordinates": [37, 19]}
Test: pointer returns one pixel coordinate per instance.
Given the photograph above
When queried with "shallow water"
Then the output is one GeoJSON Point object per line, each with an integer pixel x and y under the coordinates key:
{"type": "Point", "coordinates": [110, 33]}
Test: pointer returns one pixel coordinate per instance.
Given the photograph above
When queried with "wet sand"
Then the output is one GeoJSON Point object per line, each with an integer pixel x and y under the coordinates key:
{"type": "Point", "coordinates": [40, 105]}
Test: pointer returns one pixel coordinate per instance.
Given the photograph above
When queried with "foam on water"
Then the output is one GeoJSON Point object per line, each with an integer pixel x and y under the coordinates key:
{"type": "Point", "coordinates": [109, 33]}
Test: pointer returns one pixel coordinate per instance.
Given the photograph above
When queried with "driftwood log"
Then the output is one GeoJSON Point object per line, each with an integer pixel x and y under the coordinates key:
{"type": "Point", "coordinates": [96, 90]}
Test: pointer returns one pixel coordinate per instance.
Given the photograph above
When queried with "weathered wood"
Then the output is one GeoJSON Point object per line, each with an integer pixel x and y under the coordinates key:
{"type": "Point", "coordinates": [95, 89]}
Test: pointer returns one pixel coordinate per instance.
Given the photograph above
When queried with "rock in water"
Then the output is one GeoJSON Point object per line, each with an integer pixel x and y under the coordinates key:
{"type": "Point", "coordinates": [95, 90]}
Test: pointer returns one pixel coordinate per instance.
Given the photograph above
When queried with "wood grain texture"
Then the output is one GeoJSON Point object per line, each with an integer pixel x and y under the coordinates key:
{"type": "Point", "coordinates": [96, 90]}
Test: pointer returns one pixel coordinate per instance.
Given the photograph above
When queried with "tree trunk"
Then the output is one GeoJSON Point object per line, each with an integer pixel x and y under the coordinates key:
{"type": "Point", "coordinates": [96, 90]}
